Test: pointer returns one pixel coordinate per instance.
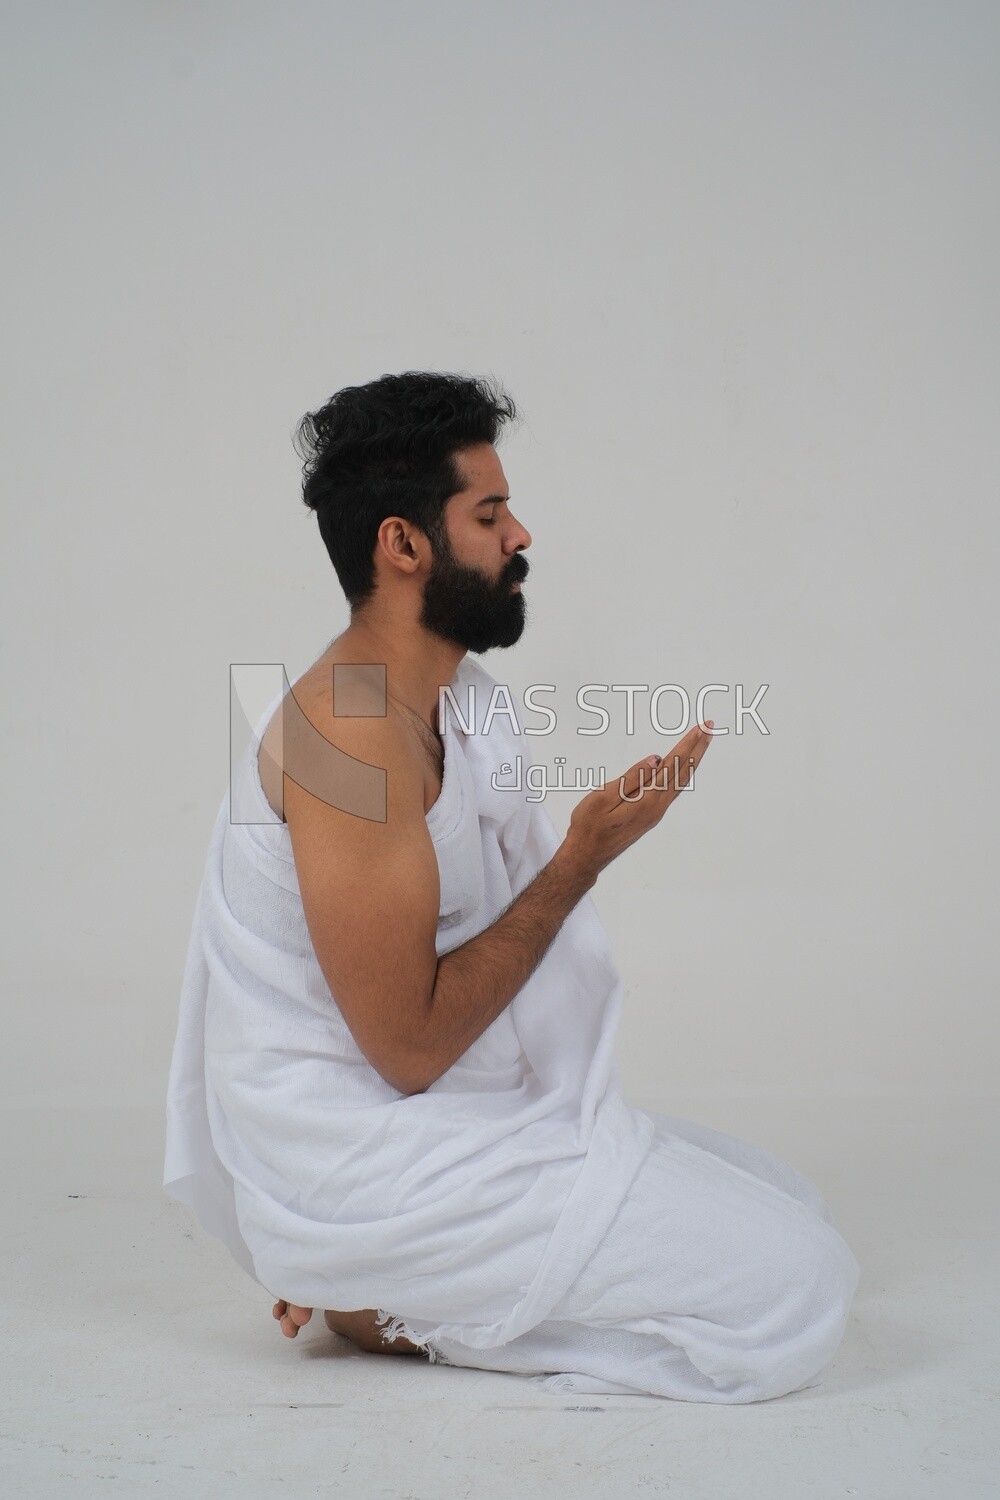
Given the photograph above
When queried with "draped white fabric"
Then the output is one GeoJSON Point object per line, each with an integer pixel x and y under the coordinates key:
{"type": "Point", "coordinates": [470, 1206]}
{"type": "Point", "coordinates": [475, 1212]}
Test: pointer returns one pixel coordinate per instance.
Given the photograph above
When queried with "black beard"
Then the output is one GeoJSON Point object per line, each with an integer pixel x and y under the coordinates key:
{"type": "Point", "coordinates": [467, 607]}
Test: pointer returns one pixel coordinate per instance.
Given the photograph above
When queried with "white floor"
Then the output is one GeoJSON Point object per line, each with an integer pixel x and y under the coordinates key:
{"type": "Point", "coordinates": [139, 1359]}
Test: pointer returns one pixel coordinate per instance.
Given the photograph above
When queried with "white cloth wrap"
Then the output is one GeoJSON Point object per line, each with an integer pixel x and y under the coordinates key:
{"type": "Point", "coordinates": [465, 1211]}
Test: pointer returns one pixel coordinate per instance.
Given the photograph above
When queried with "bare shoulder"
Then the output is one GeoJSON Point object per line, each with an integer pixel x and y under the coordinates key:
{"type": "Point", "coordinates": [367, 873]}
{"type": "Point", "coordinates": [310, 754]}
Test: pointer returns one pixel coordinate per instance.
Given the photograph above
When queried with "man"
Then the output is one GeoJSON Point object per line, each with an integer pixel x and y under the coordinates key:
{"type": "Point", "coordinates": [394, 1069]}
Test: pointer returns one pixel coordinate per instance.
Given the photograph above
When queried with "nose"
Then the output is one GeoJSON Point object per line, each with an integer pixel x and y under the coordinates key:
{"type": "Point", "coordinates": [520, 537]}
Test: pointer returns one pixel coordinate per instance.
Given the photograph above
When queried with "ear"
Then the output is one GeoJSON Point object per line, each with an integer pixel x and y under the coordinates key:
{"type": "Point", "coordinates": [403, 545]}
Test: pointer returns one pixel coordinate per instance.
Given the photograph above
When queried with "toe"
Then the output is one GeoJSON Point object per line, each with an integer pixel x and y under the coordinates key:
{"type": "Point", "coordinates": [294, 1318]}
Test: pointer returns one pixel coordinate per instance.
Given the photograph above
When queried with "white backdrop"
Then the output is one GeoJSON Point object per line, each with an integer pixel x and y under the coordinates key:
{"type": "Point", "coordinates": [737, 266]}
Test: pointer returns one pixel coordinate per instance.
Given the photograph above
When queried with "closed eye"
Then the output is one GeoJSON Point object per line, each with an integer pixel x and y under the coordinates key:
{"type": "Point", "coordinates": [490, 522]}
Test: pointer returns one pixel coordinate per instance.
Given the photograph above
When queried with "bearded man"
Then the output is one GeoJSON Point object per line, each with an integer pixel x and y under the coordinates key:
{"type": "Point", "coordinates": [393, 1092]}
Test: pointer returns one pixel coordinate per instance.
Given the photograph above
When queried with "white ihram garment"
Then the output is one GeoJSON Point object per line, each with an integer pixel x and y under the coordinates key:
{"type": "Point", "coordinates": [517, 1215]}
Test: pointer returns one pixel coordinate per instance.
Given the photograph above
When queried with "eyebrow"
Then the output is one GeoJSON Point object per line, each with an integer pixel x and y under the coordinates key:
{"type": "Point", "coordinates": [490, 500]}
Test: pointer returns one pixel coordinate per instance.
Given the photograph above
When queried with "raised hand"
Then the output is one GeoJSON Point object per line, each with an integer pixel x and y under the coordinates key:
{"type": "Point", "coordinates": [606, 822]}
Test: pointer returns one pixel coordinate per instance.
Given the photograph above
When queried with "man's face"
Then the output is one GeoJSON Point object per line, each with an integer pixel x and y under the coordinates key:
{"type": "Point", "coordinates": [468, 596]}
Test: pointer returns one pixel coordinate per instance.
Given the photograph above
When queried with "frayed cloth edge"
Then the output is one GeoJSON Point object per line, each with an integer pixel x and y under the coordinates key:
{"type": "Point", "coordinates": [471, 1337]}
{"type": "Point", "coordinates": [398, 1327]}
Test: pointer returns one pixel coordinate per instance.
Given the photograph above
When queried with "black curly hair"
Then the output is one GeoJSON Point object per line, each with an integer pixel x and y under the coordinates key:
{"type": "Point", "coordinates": [387, 449]}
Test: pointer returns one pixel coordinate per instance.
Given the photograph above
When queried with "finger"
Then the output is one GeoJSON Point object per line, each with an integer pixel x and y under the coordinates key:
{"type": "Point", "coordinates": [627, 785]}
{"type": "Point", "coordinates": [300, 1315]}
{"type": "Point", "coordinates": [631, 785]}
{"type": "Point", "coordinates": [279, 1309]}
{"type": "Point", "coordinates": [694, 742]}
{"type": "Point", "coordinates": [688, 740]}
{"type": "Point", "coordinates": [678, 770]}
{"type": "Point", "coordinates": [702, 745]}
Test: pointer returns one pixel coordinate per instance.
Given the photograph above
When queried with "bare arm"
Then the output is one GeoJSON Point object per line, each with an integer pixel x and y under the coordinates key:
{"type": "Point", "coordinates": [371, 895]}
{"type": "Point", "coordinates": [479, 980]}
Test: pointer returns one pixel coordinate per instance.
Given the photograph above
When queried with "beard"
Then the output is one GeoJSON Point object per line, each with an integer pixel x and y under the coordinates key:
{"type": "Point", "coordinates": [467, 607]}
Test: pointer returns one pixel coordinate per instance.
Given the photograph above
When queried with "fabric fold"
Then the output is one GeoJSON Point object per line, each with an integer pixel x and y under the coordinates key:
{"type": "Point", "coordinates": [467, 1210]}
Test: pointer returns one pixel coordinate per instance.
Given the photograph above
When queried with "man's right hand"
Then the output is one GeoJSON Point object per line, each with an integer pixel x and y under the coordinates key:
{"type": "Point", "coordinates": [606, 822]}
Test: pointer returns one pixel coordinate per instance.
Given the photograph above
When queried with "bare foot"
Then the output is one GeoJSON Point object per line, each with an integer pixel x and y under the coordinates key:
{"type": "Point", "coordinates": [362, 1329]}
{"type": "Point", "coordinates": [290, 1317]}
